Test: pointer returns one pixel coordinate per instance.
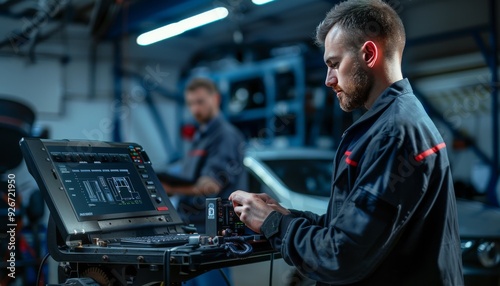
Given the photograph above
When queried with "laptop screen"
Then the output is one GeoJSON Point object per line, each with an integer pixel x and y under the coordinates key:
{"type": "Point", "coordinates": [104, 183]}
{"type": "Point", "coordinates": [93, 186]}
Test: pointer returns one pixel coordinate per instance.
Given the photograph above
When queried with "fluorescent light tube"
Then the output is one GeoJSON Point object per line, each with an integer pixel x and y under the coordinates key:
{"type": "Point", "coordinates": [261, 2]}
{"type": "Point", "coordinates": [182, 26]}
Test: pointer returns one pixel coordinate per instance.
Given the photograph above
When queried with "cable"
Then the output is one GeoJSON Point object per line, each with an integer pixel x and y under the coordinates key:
{"type": "Point", "coordinates": [237, 246]}
{"type": "Point", "coordinates": [234, 245]}
{"type": "Point", "coordinates": [271, 270]}
{"type": "Point", "coordinates": [40, 268]}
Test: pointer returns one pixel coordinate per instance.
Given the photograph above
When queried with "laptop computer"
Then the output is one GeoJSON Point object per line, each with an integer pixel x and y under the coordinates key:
{"type": "Point", "coordinates": [103, 190]}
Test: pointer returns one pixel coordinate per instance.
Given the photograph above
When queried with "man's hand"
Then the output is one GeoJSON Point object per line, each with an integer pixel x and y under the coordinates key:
{"type": "Point", "coordinates": [253, 209]}
{"type": "Point", "coordinates": [204, 186]}
{"type": "Point", "coordinates": [167, 188]}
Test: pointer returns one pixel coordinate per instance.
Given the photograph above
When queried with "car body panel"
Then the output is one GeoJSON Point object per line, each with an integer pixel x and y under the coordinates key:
{"type": "Point", "coordinates": [478, 220]}
{"type": "Point", "coordinates": [255, 162]}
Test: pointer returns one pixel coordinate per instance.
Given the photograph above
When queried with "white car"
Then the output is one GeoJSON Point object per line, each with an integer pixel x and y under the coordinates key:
{"type": "Point", "coordinates": [297, 178]}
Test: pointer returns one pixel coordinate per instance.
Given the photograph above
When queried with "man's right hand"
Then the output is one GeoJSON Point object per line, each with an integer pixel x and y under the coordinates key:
{"type": "Point", "coordinates": [253, 209]}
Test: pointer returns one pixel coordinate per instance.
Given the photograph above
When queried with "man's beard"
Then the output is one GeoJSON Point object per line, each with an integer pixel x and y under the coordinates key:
{"type": "Point", "coordinates": [204, 118]}
{"type": "Point", "coordinates": [355, 94]}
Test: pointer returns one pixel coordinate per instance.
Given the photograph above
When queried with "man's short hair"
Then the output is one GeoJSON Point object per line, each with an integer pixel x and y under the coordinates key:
{"type": "Point", "coordinates": [205, 83]}
{"type": "Point", "coordinates": [365, 20]}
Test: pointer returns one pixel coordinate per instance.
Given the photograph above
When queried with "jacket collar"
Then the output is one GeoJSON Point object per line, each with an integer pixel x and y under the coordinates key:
{"type": "Point", "coordinates": [211, 125]}
{"type": "Point", "coordinates": [384, 100]}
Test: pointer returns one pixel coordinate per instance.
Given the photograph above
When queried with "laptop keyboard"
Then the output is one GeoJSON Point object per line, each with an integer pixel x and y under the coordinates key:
{"type": "Point", "coordinates": [156, 240]}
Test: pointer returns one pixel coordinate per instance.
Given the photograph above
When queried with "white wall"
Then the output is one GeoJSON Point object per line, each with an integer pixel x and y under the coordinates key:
{"type": "Point", "coordinates": [76, 100]}
{"type": "Point", "coordinates": [38, 83]}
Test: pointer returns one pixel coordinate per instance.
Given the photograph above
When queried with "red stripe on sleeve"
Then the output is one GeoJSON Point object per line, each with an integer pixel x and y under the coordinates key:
{"type": "Point", "coordinates": [429, 152]}
{"type": "Point", "coordinates": [348, 160]}
{"type": "Point", "coordinates": [351, 162]}
{"type": "Point", "coordinates": [198, 152]}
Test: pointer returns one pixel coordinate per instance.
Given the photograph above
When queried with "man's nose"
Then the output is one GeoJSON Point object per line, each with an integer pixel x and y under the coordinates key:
{"type": "Point", "coordinates": [194, 109]}
{"type": "Point", "coordinates": [331, 78]}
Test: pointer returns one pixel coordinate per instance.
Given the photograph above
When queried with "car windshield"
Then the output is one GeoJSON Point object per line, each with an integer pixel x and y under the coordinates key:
{"type": "Point", "coordinates": [306, 176]}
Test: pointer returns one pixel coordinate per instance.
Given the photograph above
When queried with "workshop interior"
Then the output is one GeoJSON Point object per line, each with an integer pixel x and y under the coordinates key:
{"type": "Point", "coordinates": [83, 78]}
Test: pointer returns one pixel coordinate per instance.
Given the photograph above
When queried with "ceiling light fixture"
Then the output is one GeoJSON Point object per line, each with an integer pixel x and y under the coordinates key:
{"type": "Point", "coordinates": [182, 26]}
{"type": "Point", "coordinates": [261, 2]}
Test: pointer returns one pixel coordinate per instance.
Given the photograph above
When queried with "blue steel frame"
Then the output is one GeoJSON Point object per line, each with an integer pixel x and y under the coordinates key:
{"type": "Point", "coordinates": [493, 63]}
{"type": "Point", "coordinates": [266, 70]}
{"type": "Point", "coordinates": [171, 150]}
{"type": "Point", "coordinates": [490, 55]}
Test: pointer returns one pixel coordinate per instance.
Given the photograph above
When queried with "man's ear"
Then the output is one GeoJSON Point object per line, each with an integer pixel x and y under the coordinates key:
{"type": "Point", "coordinates": [370, 53]}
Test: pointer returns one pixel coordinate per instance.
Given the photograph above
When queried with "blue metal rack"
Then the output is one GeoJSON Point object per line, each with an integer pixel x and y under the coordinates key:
{"type": "Point", "coordinates": [490, 53]}
{"type": "Point", "coordinates": [277, 114]}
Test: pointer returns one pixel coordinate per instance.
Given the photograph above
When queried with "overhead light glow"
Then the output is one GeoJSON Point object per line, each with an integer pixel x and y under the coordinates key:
{"type": "Point", "coordinates": [182, 26]}
{"type": "Point", "coordinates": [261, 2]}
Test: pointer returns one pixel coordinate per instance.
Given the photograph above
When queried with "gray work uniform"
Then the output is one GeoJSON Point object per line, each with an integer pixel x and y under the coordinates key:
{"type": "Point", "coordinates": [216, 152]}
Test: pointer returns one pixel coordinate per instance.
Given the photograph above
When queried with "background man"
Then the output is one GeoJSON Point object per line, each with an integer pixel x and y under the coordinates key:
{"type": "Point", "coordinates": [214, 162]}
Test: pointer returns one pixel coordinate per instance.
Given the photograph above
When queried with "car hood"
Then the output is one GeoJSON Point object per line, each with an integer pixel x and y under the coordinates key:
{"type": "Point", "coordinates": [315, 204]}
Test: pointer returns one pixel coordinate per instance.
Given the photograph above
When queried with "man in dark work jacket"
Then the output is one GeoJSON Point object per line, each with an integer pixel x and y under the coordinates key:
{"type": "Point", "coordinates": [392, 217]}
{"type": "Point", "coordinates": [215, 158]}
{"type": "Point", "coordinates": [214, 161]}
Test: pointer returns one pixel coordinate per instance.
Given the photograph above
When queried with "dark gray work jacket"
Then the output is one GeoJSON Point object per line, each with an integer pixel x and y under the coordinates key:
{"type": "Point", "coordinates": [218, 153]}
{"type": "Point", "coordinates": [392, 217]}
